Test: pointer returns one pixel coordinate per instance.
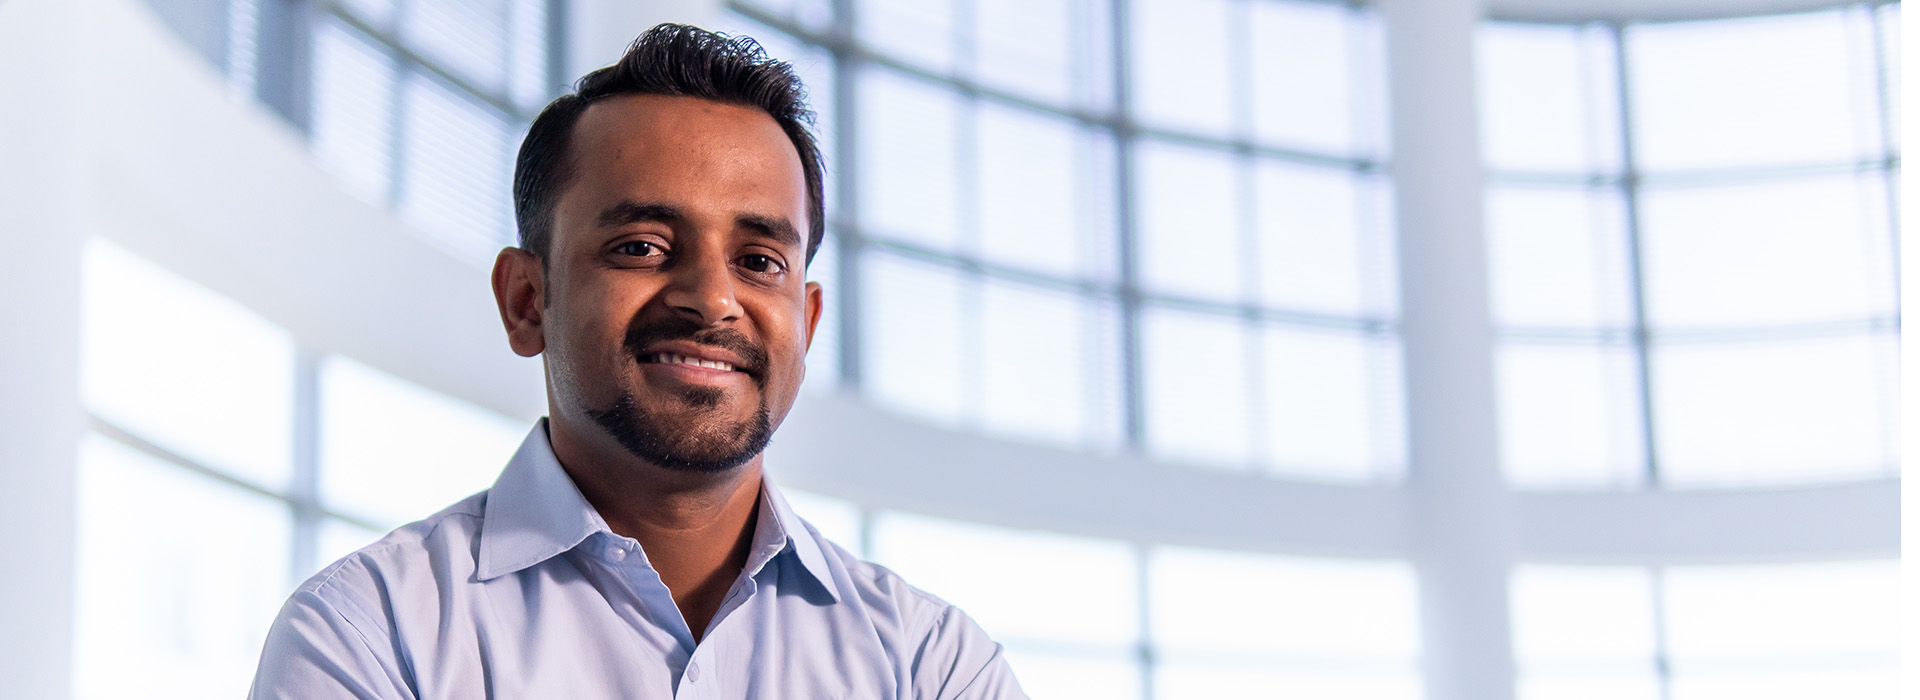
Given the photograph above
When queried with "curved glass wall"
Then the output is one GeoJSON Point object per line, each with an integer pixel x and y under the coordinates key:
{"type": "Point", "coordinates": [1066, 223]}
{"type": "Point", "coordinates": [1692, 233]}
{"type": "Point", "coordinates": [1111, 225]}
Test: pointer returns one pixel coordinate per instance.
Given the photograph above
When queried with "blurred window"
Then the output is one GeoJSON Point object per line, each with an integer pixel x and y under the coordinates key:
{"type": "Point", "coordinates": [1696, 632]}
{"type": "Point", "coordinates": [420, 105]}
{"type": "Point", "coordinates": [392, 452]}
{"type": "Point", "coordinates": [1231, 624]}
{"type": "Point", "coordinates": [1691, 243]}
{"type": "Point", "coordinates": [1029, 225]}
{"type": "Point", "coordinates": [239, 463]}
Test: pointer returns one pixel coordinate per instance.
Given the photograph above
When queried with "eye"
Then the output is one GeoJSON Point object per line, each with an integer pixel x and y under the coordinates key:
{"type": "Point", "coordinates": [639, 249]}
{"type": "Point", "coordinates": [760, 263]}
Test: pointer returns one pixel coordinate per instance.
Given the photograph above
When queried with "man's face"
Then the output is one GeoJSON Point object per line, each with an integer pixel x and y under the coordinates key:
{"type": "Point", "coordinates": [677, 312]}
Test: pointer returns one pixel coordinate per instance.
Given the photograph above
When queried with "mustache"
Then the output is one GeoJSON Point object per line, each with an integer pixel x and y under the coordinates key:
{"type": "Point", "coordinates": [641, 334]}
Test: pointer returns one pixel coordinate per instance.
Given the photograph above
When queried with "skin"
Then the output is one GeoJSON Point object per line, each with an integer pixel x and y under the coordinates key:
{"type": "Point", "coordinates": [678, 207]}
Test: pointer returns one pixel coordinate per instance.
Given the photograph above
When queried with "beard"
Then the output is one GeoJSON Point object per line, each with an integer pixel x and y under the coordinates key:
{"type": "Point", "coordinates": [708, 447]}
{"type": "Point", "coordinates": [702, 441]}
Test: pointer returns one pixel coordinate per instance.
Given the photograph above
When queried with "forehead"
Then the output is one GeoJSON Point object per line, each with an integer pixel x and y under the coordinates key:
{"type": "Point", "coordinates": [704, 156]}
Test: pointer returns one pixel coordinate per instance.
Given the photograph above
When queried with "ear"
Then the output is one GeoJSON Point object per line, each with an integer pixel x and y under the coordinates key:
{"type": "Point", "coordinates": [520, 290]}
{"type": "Point", "coordinates": [816, 301]}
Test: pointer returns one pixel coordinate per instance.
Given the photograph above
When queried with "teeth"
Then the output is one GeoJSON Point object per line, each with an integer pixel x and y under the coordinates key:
{"type": "Point", "coordinates": [676, 359]}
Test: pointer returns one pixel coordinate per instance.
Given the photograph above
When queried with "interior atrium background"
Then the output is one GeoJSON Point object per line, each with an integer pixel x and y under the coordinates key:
{"type": "Point", "coordinates": [1198, 348]}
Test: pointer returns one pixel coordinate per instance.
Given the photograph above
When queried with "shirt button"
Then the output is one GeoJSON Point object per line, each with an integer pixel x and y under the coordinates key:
{"type": "Point", "coordinates": [618, 553]}
{"type": "Point", "coordinates": [693, 673]}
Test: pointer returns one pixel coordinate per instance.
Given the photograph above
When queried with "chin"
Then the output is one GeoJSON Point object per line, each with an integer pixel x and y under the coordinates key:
{"type": "Point", "coordinates": [699, 440]}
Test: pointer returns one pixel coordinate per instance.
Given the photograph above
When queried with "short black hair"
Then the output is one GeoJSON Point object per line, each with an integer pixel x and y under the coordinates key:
{"type": "Point", "coordinates": [669, 59]}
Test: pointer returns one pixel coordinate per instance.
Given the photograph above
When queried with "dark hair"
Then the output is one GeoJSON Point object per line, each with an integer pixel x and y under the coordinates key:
{"type": "Point", "coordinates": [669, 59]}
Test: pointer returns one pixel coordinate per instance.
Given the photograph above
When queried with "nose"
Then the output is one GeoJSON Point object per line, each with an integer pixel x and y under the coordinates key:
{"type": "Point", "coordinates": [700, 287]}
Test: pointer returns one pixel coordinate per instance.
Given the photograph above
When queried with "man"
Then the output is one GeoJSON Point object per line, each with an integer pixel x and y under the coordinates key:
{"type": "Point", "coordinates": [632, 548]}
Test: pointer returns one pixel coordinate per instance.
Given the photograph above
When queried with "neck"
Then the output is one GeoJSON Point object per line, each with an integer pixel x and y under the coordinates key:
{"type": "Point", "coordinates": [696, 528]}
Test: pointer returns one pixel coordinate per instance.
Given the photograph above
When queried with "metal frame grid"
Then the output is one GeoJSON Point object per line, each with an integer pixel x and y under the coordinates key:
{"type": "Point", "coordinates": [1640, 335]}
{"type": "Point", "coordinates": [853, 242]}
{"type": "Point", "coordinates": [1126, 292]}
{"type": "Point", "coordinates": [270, 57]}
{"type": "Point", "coordinates": [1630, 182]}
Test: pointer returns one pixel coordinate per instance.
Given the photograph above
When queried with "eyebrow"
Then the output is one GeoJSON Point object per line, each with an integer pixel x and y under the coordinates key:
{"type": "Point", "coordinates": [774, 227]}
{"type": "Point", "coordinates": [633, 212]}
{"type": "Point", "coordinates": [777, 228]}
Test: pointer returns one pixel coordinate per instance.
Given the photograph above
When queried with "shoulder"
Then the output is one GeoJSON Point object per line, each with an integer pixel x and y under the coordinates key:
{"type": "Point", "coordinates": [944, 653]}
{"type": "Point", "coordinates": [421, 557]}
{"type": "Point", "coordinates": [891, 601]}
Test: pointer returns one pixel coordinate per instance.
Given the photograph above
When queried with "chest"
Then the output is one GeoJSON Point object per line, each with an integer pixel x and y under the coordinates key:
{"type": "Point", "coordinates": [598, 639]}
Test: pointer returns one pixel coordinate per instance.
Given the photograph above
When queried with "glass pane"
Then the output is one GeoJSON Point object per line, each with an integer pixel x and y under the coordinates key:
{"type": "Point", "coordinates": [1197, 391]}
{"type": "Point", "coordinates": [1344, 629]}
{"type": "Point", "coordinates": [1084, 675]}
{"type": "Point", "coordinates": [1183, 678]}
{"type": "Point", "coordinates": [909, 160]}
{"type": "Point", "coordinates": [527, 55]}
{"type": "Point", "coordinates": [1333, 609]}
{"type": "Point", "coordinates": [185, 368]}
{"type": "Point", "coordinates": [1020, 585]}
{"type": "Point", "coordinates": [1301, 64]}
{"type": "Point", "coordinates": [916, 31]}
{"type": "Point", "coordinates": [1588, 685]}
{"type": "Point", "coordinates": [1784, 631]}
{"type": "Point", "coordinates": [1570, 415]}
{"type": "Point", "coordinates": [466, 37]}
{"type": "Point", "coordinates": [1045, 199]}
{"type": "Point", "coordinates": [1559, 257]}
{"type": "Point", "coordinates": [1549, 98]}
{"type": "Point", "coordinates": [1325, 241]}
{"type": "Point", "coordinates": [1568, 618]}
{"type": "Point", "coordinates": [836, 519]}
{"type": "Point", "coordinates": [1889, 23]}
{"type": "Point", "coordinates": [1332, 404]}
{"type": "Point", "coordinates": [1766, 412]}
{"type": "Point", "coordinates": [1067, 399]}
{"type": "Point", "coordinates": [823, 354]}
{"type": "Point", "coordinates": [212, 565]}
{"type": "Point", "coordinates": [1782, 90]}
{"type": "Point", "coordinates": [1879, 682]}
{"type": "Point", "coordinates": [455, 171]}
{"type": "Point", "coordinates": [394, 452]}
{"type": "Point", "coordinates": [915, 349]}
{"type": "Point", "coordinates": [352, 110]}
{"type": "Point", "coordinates": [1584, 633]}
{"type": "Point", "coordinates": [1181, 65]}
{"type": "Point", "coordinates": [1789, 251]}
{"type": "Point", "coordinates": [1190, 224]}
{"type": "Point", "coordinates": [1028, 46]}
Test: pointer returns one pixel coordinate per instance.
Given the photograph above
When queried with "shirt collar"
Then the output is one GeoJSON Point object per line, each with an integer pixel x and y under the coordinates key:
{"type": "Point", "coordinates": [534, 512]}
{"type": "Point", "coordinates": [785, 531]}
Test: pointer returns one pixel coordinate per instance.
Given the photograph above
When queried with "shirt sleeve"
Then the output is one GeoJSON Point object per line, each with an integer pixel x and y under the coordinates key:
{"type": "Point", "coordinates": [314, 652]}
{"type": "Point", "coordinates": [956, 661]}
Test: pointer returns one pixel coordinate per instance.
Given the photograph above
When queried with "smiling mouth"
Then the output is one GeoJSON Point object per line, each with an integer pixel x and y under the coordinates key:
{"type": "Point", "coordinates": [668, 358]}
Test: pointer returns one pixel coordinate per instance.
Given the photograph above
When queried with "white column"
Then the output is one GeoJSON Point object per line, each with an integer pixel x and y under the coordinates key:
{"type": "Point", "coordinates": [41, 235]}
{"type": "Point", "coordinates": [598, 31]}
{"type": "Point", "coordinates": [1462, 522]}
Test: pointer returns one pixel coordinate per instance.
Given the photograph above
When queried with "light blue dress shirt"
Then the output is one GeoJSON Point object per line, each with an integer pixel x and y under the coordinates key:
{"type": "Point", "coordinates": [521, 591]}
